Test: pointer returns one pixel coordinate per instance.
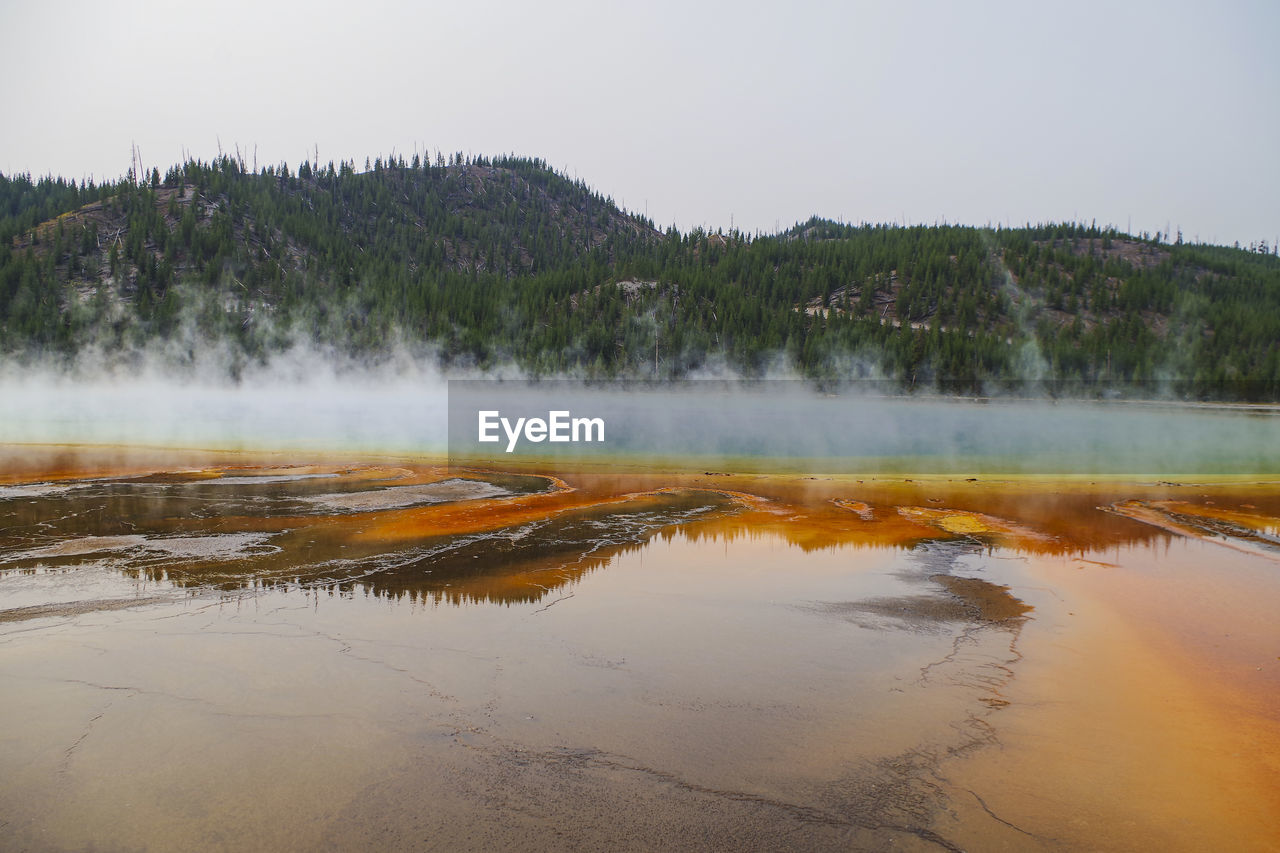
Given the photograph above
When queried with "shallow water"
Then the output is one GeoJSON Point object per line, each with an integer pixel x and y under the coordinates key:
{"type": "Point", "coordinates": [208, 651]}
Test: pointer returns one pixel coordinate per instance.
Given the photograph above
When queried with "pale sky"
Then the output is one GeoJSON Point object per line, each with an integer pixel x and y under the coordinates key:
{"type": "Point", "coordinates": [700, 113]}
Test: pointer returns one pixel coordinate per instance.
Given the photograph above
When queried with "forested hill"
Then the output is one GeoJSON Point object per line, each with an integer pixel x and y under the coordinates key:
{"type": "Point", "coordinates": [492, 261]}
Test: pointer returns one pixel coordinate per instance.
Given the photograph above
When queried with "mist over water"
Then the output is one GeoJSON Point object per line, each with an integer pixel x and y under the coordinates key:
{"type": "Point", "coordinates": [862, 427]}
{"type": "Point", "coordinates": [300, 399]}
{"type": "Point", "coordinates": [308, 399]}
{"type": "Point", "coordinates": [322, 415]}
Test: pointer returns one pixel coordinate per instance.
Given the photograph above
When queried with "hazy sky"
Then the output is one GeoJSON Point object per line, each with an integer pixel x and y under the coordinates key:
{"type": "Point", "coordinates": [701, 113]}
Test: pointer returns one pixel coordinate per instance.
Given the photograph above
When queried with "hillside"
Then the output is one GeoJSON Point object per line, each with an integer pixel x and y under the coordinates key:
{"type": "Point", "coordinates": [505, 260]}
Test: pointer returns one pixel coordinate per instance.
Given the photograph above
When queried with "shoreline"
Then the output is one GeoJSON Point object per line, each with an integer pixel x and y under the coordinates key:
{"type": "Point", "coordinates": [154, 454]}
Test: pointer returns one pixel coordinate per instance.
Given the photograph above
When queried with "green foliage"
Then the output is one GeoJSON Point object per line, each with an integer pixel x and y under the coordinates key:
{"type": "Point", "coordinates": [504, 259]}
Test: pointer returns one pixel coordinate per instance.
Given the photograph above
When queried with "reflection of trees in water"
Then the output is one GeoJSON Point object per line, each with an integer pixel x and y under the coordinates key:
{"type": "Point", "coordinates": [829, 527]}
{"type": "Point", "coordinates": [524, 563]}
{"type": "Point", "coordinates": [512, 565]}
{"type": "Point", "coordinates": [486, 585]}
{"type": "Point", "coordinates": [558, 539]}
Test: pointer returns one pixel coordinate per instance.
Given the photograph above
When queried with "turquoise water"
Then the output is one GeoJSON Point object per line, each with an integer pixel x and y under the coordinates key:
{"type": "Point", "coordinates": [789, 424]}
{"type": "Point", "coordinates": [757, 425]}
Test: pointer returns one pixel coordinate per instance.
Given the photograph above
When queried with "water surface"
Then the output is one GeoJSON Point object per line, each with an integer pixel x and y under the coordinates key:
{"type": "Point", "coordinates": [213, 651]}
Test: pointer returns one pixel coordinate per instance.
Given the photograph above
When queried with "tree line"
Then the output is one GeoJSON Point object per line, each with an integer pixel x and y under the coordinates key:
{"type": "Point", "coordinates": [499, 260]}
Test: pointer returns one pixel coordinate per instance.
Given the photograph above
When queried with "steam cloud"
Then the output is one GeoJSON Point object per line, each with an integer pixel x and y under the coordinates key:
{"type": "Point", "coordinates": [309, 398]}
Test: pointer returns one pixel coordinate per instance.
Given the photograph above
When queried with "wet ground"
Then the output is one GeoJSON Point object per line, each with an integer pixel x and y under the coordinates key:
{"type": "Point", "coordinates": [218, 651]}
